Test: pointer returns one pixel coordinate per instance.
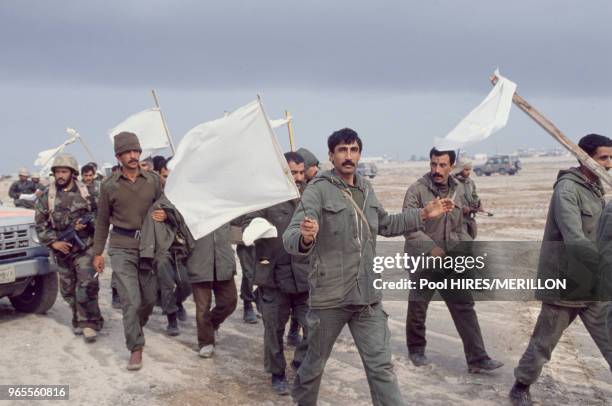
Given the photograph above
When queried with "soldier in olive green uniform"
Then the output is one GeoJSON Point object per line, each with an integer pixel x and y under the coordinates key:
{"type": "Point", "coordinates": [471, 201]}
{"type": "Point", "coordinates": [282, 282]}
{"type": "Point", "coordinates": [23, 186]}
{"type": "Point", "coordinates": [211, 269]}
{"type": "Point", "coordinates": [125, 200]}
{"type": "Point", "coordinates": [569, 250]}
{"type": "Point", "coordinates": [338, 231]}
{"type": "Point", "coordinates": [65, 206]}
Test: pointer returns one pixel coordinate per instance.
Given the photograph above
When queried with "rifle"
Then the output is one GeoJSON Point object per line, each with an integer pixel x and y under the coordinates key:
{"type": "Point", "coordinates": [70, 235]}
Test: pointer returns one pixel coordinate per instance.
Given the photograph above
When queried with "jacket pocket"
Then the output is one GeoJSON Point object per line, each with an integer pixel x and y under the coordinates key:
{"type": "Point", "coordinates": [333, 216]}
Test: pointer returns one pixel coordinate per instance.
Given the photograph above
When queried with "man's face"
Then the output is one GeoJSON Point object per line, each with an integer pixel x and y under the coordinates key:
{"type": "Point", "coordinates": [23, 178]}
{"type": "Point", "coordinates": [88, 177]}
{"type": "Point", "coordinates": [35, 180]}
{"type": "Point", "coordinates": [129, 159]}
{"type": "Point", "coordinates": [163, 174]}
{"type": "Point", "coordinates": [63, 176]}
{"type": "Point", "coordinates": [440, 168]}
{"type": "Point", "coordinates": [297, 171]}
{"type": "Point", "coordinates": [345, 158]}
{"type": "Point", "coordinates": [146, 166]}
{"type": "Point", "coordinates": [311, 172]}
{"type": "Point", "coordinates": [466, 172]}
{"type": "Point", "coordinates": [603, 156]}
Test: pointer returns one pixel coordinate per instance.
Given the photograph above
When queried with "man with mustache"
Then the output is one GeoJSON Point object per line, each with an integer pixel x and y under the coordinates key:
{"type": "Point", "coordinates": [63, 205]}
{"type": "Point", "coordinates": [569, 251]}
{"type": "Point", "coordinates": [282, 283]}
{"type": "Point", "coordinates": [336, 226]}
{"type": "Point", "coordinates": [438, 238]}
{"type": "Point", "coordinates": [125, 199]}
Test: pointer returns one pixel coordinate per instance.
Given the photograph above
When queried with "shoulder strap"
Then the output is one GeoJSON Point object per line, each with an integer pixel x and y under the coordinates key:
{"type": "Point", "coordinates": [84, 192]}
{"type": "Point", "coordinates": [51, 196]}
{"type": "Point", "coordinates": [357, 209]}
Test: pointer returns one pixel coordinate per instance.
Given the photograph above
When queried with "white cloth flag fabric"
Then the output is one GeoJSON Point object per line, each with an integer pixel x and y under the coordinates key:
{"type": "Point", "coordinates": [258, 228]}
{"type": "Point", "coordinates": [45, 158]}
{"type": "Point", "coordinates": [228, 167]}
{"type": "Point", "coordinates": [149, 128]}
{"type": "Point", "coordinates": [280, 122]}
{"type": "Point", "coordinates": [489, 117]}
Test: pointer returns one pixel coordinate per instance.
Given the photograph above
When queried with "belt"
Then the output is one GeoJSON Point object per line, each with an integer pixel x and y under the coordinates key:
{"type": "Point", "coordinates": [126, 232]}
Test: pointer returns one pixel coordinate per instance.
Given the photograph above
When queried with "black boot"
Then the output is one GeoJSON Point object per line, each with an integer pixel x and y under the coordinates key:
{"type": "Point", "coordinates": [172, 329]}
{"type": "Point", "coordinates": [116, 303]}
{"type": "Point", "coordinates": [293, 336]}
{"type": "Point", "coordinates": [249, 314]}
{"type": "Point", "coordinates": [519, 395]}
{"type": "Point", "coordinates": [181, 314]}
{"type": "Point", "coordinates": [280, 384]}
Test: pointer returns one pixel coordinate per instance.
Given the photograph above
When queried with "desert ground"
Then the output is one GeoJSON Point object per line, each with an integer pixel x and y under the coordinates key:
{"type": "Point", "coordinates": [43, 350]}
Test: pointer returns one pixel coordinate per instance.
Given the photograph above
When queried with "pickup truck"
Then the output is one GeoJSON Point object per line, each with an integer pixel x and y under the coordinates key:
{"type": "Point", "coordinates": [27, 277]}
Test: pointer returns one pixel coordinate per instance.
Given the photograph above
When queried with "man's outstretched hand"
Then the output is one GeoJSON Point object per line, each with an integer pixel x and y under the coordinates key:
{"type": "Point", "coordinates": [436, 208]}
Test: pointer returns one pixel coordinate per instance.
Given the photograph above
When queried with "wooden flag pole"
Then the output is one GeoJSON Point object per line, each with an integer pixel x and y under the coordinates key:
{"type": "Point", "coordinates": [290, 128]}
{"type": "Point", "coordinates": [551, 129]}
{"type": "Point", "coordinates": [163, 122]}
{"type": "Point", "coordinates": [87, 149]}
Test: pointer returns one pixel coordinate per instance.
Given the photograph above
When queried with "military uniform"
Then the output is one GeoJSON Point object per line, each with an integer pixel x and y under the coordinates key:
{"type": "Point", "coordinates": [78, 286]}
{"type": "Point", "coordinates": [445, 232]}
{"type": "Point", "coordinates": [282, 282]}
{"type": "Point", "coordinates": [124, 205]}
{"type": "Point", "coordinates": [342, 281]}
{"type": "Point", "coordinates": [569, 250]}
{"type": "Point", "coordinates": [211, 268]}
{"type": "Point", "coordinates": [20, 187]}
{"type": "Point", "coordinates": [470, 199]}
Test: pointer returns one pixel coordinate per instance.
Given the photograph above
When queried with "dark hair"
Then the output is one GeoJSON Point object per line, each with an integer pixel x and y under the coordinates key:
{"type": "Point", "coordinates": [294, 157]}
{"type": "Point", "coordinates": [344, 136]}
{"type": "Point", "coordinates": [115, 168]}
{"type": "Point", "coordinates": [92, 163]}
{"type": "Point", "coordinates": [451, 154]}
{"type": "Point", "coordinates": [590, 143]}
{"type": "Point", "coordinates": [87, 168]}
{"type": "Point", "coordinates": [159, 163]}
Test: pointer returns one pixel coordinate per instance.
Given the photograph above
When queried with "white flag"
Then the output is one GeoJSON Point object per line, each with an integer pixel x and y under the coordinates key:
{"type": "Point", "coordinates": [44, 160]}
{"type": "Point", "coordinates": [149, 128]}
{"type": "Point", "coordinates": [489, 117]}
{"type": "Point", "coordinates": [228, 167]}
{"type": "Point", "coordinates": [280, 122]}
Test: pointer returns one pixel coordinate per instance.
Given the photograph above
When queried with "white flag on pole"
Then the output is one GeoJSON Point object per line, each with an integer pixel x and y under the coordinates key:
{"type": "Point", "coordinates": [44, 160]}
{"type": "Point", "coordinates": [280, 122]}
{"type": "Point", "coordinates": [490, 116]}
{"type": "Point", "coordinates": [149, 128]}
{"type": "Point", "coordinates": [228, 167]}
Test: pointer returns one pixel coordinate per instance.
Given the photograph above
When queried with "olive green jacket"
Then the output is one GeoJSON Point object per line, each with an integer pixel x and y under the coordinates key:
{"type": "Point", "coordinates": [343, 253]}
{"type": "Point", "coordinates": [212, 258]}
{"type": "Point", "coordinates": [569, 248]}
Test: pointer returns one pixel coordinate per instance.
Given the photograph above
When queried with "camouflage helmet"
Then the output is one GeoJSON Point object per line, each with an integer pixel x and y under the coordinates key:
{"type": "Point", "coordinates": [65, 161]}
{"type": "Point", "coordinates": [24, 172]}
{"type": "Point", "coordinates": [35, 175]}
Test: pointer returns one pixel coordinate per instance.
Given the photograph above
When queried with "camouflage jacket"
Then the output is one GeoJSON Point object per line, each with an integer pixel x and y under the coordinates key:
{"type": "Point", "coordinates": [69, 207]}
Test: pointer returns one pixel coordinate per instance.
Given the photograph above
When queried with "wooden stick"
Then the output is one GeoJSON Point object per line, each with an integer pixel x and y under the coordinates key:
{"type": "Point", "coordinates": [163, 122]}
{"type": "Point", "coordinates": [551, 129]}
{"type": "Point", "coordinates": [290, 128]}
{"type": "Point", "coordinates": [87, 149]}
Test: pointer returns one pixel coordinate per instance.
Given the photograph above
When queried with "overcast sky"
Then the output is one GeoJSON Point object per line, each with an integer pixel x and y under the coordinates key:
{"type": "Point", "coordinates": [398, 72]}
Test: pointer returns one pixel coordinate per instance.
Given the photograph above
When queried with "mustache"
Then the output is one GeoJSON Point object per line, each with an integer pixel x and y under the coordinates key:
{"type": "Point", "coordinates": [131, 161]}
{"type": "Point", "coordinates": [348, 162]}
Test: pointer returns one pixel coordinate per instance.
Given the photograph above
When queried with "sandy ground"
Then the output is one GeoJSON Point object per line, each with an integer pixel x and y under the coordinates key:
{"type": "Point", "coordinates": [43, 350]}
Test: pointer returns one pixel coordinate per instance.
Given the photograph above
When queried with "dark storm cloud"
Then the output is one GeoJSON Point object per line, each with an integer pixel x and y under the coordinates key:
{"type": "Point", "coordinates": [551, 46]}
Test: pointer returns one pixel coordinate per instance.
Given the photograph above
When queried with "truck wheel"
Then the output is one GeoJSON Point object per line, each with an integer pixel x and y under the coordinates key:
{"type": "Point", "coordinates": [38, 296]}
{"type": "Point", "coordinates": [478, 172]}
{"type": "Point", "coordinates": [502, 171]}
{"type": "Point", "coordinates": [487, 173]}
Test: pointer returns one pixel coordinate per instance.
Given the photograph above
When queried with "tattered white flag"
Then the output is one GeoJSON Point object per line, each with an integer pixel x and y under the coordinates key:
{"type": "Point", "coordinates": [149, 128]}
{"type": "Point", "coordinates": [228, 167]}
{"type": "Point", "coordinates": [44, 160]}
{"type": "Point", "coordinates": [490, 116]}
{"type": "Point", "coordinates": [280, 122]}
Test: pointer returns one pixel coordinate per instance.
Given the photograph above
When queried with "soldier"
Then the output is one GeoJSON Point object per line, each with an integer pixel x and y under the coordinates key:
{"type": "Point", "coordinates": [22, 187]}
{"type": "Point", "coordinates": [604, 241]}
{"type": "Point", "coordinates": [88, 176]}
{"type": "Point", "coordinates": [40, 188]}
{"type": "Point", "coordinates": [211, 268]}
{"type": "Point", "coordinates": [471, 201]}
{"type": "Point", "coordinates": [311, 163]}
{"type": "Point", "coordinates": [64, 223]}
{"type": "Point", "coordinates": [246, 256]}
{"type": "Point", "coordinates": [337, 227]}
{"type": "Point", "coordinates": [282, 282]}
{"type": "Point", "coordinates": [568, 251]}
{"type": "Point", "coordinates": [125, 200]}
{"type": "Point", "coordinates": [438, 238]}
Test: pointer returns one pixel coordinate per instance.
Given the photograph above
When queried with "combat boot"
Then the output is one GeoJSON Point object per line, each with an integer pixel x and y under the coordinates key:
{"type": "Point", "coordinates": [135, 362]}
{"type": "Point", "coordinates": [293, 336]}
{"type": "Point", "coordinates": [519, 395]}
{"type": "Point", "coordinates": [418, 359]}
{"type": "Point", "coordinates": [280, 385]}
{"type": "Point", "coordinates": [249, 314]}
{"type": "Point", "coordinates": [172, 328]}
{"type": "Point", "coordinates": [181, 314]}
{"type": "Point", "coordinates": [89, 335]}
{"type": "Point", "coordinates": [486, 364]}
